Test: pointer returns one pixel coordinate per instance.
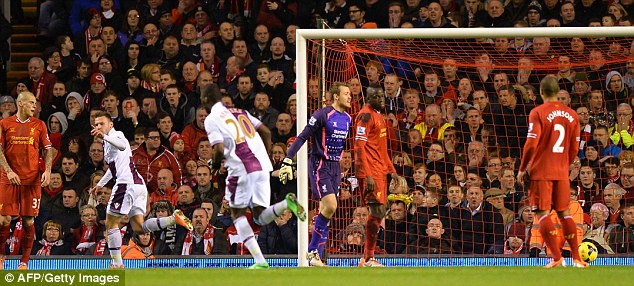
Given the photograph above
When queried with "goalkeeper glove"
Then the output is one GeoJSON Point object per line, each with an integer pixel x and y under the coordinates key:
{"type": "Point", "coordinates": [286, 171]}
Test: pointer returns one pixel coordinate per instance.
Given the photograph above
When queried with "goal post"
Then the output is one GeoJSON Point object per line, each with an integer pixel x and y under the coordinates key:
{"type": "Point", "coordinates": [303, 62]}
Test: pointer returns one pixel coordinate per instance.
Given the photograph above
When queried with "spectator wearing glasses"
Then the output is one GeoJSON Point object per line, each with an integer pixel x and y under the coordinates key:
{"type": "Point", "coordinates": [622, 132]}
{"type": "Point", "coordinates": [52, 242]}
{"type": "Point", "coordinates": [150, 157]}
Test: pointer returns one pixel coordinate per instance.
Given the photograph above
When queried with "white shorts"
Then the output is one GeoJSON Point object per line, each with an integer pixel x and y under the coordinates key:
{"type": "Point", "coordinates": [249, 190]}
{"type": "Point", "coordinates": [128, 199]}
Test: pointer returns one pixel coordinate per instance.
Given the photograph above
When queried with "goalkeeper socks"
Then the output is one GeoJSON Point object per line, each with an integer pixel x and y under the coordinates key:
{"type": "Point", "coordinates": [371, 233]}
{"type": "Point", "coordinates": [269, 214]}
{"type": "Point", "coordinates": [320, 235]}
{"type": "Point", "coordinates": [549, 234]}
{"type": "Point", "coordinates": [156, 224]}
{"type": "Point", "coordinates": [570, 233]}
{"type": "Point", "coordinates": [5, 231]}
{"type": "Point", "coordinates": [248, 238]}
{"type": "Point", "coordinates": [114, 246]}
{"type": "Point", "coordinates": [27, 242]}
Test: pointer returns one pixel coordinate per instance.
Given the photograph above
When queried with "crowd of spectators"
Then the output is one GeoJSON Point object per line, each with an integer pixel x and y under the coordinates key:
{"type": "Point", "coordinates": [456, 128]}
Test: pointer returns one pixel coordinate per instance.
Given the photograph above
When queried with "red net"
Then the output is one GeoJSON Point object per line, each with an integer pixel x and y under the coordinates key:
{"type": "Point", "coordinates": [452, 126]}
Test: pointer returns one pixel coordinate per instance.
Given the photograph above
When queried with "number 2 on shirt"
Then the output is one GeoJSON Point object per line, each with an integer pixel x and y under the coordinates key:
{"type": "Point", "coordinates": [245, 125]}
{"type": "Point", "coordinates": [557, 148]}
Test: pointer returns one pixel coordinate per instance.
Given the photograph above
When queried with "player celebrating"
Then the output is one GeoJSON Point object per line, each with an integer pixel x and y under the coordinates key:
{"type": "Point", "coordinates": [552, 144]}
{"type": "Point", "coordinates": [21, 138]}
{"type": "Point", "coordinates": [232, 133]}
{"type": "Point", "coordinates": [328, 128]}
{"type": "Point", "coordinates": [372, 164]}
{"type": "Point", "coordinates": [129, 195]}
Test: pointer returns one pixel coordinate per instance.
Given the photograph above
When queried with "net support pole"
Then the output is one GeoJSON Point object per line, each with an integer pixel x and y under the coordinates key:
{"type": "Point", "coordinates": [302, 155]}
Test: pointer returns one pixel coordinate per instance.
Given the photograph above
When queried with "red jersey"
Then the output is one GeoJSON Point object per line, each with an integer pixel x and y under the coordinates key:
{"type": "Point", "coordinates": [553, 141]}
{"type": "Point", "coordinates": [22, 142]}
{"type": "Point", "coordinates": [370, 145]}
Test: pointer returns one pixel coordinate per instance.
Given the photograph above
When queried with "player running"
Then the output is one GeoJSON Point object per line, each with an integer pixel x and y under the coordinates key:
{"type": "Point", "coordinates": [240, 138]}
{"type": "Point", "coordinates": [129, 194]}
{"type": "Point", "coordinates": [328, 130]}
{"type": "Point", "coordinates": [21, 138]}
{"type": "Point", "coordinates": [552, 144]}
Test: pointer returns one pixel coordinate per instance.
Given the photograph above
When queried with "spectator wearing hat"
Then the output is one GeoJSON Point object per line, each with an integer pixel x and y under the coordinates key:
{"type": "Point", "coordinates": [580, 90]}
{"type": "Point", "coordinates": [80, 8]}
{"type": "Point", "coordinates": [166, 24]}
{"type": "Point", "coordinates": [353, 239]}
{"type": "Point", "coordinates": [516, 239]}
{"type": "Point", "coordinates": [206, 29]}
{"type": "Point", "coordinates": [93, 99]}
{"type": "Point", "coordinates": [7, 106]}
{"type": "Point", "coordinates": [496, 197]}
{"type": "Point", "coordinates": [93, 29]}
{"type": "Point", "coordinates": [133, 86]}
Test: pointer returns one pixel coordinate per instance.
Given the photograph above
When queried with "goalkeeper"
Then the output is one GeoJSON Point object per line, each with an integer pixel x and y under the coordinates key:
{"type": "Point", "coordinates": [328, 130]}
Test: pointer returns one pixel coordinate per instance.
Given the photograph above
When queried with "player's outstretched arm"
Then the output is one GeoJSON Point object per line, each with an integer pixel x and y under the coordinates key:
{"type": "Point", "coordinates": [115, 141]}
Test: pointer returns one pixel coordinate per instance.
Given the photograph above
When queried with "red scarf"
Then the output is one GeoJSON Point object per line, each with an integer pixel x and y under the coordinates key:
{"type": "Point", "coordinates": [16, 237]}
{"type": "Point", "coordinates": [208, 237]}
{"type": "Point", "coordinates": [153, 88]}
{"type": "Point", "coordinates": [229, 78]}
{"type": "Point", "coordinates": [52, 193]}
{"type": "Point", "coordinates": [46, 249]}
{"type": "Point", "coordinates": [507, 250]}
{"type": "Point", "coordinates": [214, 68]}
{"type": "Point", "coordinates": [100, 247]}
{"type": "Point", "coordinates": [88, 234]}
{"type": "Point", "coordinates": [90, 37]}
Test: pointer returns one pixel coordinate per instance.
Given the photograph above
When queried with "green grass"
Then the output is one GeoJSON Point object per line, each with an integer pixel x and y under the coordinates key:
{"type": "Point", "coordinates": [393, 276]}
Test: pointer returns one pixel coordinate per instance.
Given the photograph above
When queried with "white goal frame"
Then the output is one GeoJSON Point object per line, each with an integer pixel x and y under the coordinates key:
{"type": "Point", "coordinates": [303, 35]}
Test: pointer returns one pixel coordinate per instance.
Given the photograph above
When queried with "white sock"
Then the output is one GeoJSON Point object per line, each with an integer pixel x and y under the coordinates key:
{"type": "Point", "coordinates": [114, 245]}
{"type": "Point", "coordinates": [248, 238]}
{"type": "Point", "coordinates": [156, 224]}
{"type": "Point", "coordinates": [269, 214]}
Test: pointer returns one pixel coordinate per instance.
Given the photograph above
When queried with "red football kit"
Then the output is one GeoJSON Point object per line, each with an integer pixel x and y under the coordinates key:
{"type": "Point", "coordinates": [552, 144]}
{"type": "Point", "coordinates": [22, 142]}
{"type": "Point", "coordinates": [371, 154]}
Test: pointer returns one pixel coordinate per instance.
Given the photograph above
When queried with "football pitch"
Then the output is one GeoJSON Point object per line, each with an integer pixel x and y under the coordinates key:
{"type": "Point", "coordinates": [391, 276]}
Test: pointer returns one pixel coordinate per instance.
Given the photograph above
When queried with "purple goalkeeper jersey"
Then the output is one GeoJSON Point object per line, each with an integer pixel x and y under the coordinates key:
{"type": "Point", "coordinates": [328, 130]}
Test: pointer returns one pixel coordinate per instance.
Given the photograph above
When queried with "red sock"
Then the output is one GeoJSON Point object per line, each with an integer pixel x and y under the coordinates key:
{"type": "Point", "coordinates": [27, 242]}
{"type": "Point", "coordinates": [570, 233]}
{"type": "Point", "coordinates": [371, 233]}
{"type": "Point", "coordinates": [4, 235]}
{"type": "Point", "coordinates": [549, 234]}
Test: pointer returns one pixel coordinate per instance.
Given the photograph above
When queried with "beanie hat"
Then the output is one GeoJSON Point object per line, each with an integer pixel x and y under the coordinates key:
{"type": "Point", "coordinates": [534, 5]}
{"type": "Point", "coordinates": [175, 136]}
{"type": "Point", "coordinates": [517, 230]}
{"type": "Point", "coordinates": [97, 77]}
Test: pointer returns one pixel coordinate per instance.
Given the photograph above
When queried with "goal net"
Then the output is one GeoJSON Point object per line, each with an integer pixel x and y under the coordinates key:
{"type": "Point", "coordinates": [457, 103]}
